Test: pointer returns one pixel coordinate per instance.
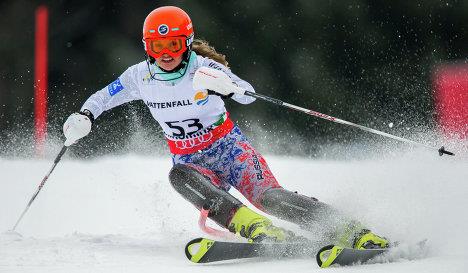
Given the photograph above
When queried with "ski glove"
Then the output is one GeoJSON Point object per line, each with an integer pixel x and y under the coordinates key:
{"type": "Point", "coordinates": [215, 81]}
{"type": "Point", "coordinates": [77, 126]}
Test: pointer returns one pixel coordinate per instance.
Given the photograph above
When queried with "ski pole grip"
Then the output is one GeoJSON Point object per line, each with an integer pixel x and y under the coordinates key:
{"type": "Point", "coordinates": [442, 151]}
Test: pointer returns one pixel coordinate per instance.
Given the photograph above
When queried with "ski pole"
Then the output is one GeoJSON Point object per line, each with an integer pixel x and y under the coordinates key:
{"type": "Point", "coordinates": [441, 150]}
{"type": "Point", "coordinates": [56, 161]}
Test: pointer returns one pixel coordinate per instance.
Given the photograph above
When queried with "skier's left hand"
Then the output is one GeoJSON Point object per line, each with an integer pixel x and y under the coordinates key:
{"type": "Point", "coordinates": [216, 81]}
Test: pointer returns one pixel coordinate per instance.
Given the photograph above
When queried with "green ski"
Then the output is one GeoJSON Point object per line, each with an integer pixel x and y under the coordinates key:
{"type": "Point", "coordinates": [331, 255]}
{"type": "Point", "coordinates": [203, 250]}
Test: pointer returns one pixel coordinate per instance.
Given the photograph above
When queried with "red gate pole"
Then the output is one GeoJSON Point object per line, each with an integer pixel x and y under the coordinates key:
{"type": "Point", "coordinates": [40, 78]}
{"type": "Point", "coordinates": [450, 83]}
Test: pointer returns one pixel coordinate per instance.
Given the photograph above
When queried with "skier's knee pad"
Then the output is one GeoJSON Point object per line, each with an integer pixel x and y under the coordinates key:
{"type": "Point", "coordinates": [293, 207]}
{"type": "Point", "coordinates": [199, 190]}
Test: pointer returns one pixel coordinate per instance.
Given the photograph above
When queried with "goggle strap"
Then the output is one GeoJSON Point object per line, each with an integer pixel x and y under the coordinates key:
{"type": "Point", "coordinates": [189, 40]}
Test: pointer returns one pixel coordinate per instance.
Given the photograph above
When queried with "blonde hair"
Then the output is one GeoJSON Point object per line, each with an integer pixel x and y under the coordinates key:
{"type": "Point", "coordinates": [203, 48]}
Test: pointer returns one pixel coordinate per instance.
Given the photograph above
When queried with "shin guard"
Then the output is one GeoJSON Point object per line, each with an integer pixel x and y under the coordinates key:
{"type": "Point", "coordinates": [304, 211]}
{"type": "Point", "coordinates": [199, 190]}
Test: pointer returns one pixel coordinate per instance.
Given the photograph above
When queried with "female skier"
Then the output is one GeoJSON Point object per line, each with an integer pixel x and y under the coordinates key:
{"type": "Point", "coordinates": [184, 82]}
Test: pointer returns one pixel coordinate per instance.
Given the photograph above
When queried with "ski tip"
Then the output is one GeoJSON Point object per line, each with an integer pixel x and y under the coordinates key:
{"type": "Point", "coordinates": [327, 255]}
{"type": "Point", "coordinates": [196, 249]}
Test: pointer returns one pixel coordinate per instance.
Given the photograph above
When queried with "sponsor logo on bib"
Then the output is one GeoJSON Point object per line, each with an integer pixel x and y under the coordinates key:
{"type": "Point", "coordinates": [201, 98]}
{"type": "Point", "coordinates": [168, 104]}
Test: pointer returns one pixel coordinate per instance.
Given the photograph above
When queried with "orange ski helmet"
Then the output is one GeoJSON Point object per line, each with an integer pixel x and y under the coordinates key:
{"type": "Point", "coordinates": [167, 30]}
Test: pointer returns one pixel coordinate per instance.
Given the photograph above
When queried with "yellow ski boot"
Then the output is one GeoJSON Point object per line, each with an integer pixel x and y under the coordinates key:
{"type": "Point", "coordinates": [257, 228]}
{"type": "Point", "coordinates": [354, 235]}
{"type": "Point", "coordinates": [368, 240]}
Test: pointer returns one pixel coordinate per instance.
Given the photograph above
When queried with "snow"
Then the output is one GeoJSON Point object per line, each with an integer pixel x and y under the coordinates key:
{"type": "Point", "coordinates": [120, 214]}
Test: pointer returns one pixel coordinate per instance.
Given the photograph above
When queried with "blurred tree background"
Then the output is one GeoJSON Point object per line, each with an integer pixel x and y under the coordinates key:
{"type": "Point", "coordinates": [368, 62]}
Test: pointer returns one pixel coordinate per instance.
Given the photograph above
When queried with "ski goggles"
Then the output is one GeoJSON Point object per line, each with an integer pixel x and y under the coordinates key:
{"type": "Point", "coordinates": [173, 46]}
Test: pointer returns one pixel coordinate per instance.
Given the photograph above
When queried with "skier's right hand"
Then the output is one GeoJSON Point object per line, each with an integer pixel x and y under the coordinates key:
{"type": "Point", "coordinates": [77, 126]}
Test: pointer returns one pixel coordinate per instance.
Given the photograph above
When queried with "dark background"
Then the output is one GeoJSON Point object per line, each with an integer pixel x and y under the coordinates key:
{"type": "Point", "coordinates": [369, 62]}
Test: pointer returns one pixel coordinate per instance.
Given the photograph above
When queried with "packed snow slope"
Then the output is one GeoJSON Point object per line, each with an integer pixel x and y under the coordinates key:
{"type": "Point", "coordinates": [120, 214]}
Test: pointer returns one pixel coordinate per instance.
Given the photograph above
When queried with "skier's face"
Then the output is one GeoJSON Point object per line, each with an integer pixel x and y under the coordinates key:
{"type": "Point", "coordinates": [167, 62]}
